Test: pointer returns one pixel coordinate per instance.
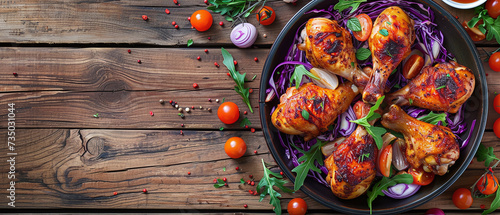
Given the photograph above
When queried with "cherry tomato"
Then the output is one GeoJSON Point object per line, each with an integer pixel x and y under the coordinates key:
{"type": "Point", "coordinates": [385, 160]}
{"type": "Point", "coordinates": [235, 147]}
{"type": "Point", "coordinates": [496, 103]}
{"type": "Point", "coordinates": [297, 206]}
{"type": "Point", "coordinates": [201, 20]}
{"type": "Point", "coordinates": [493, 7]}
{"type": "Point", "coordinates": [474, 33]}
{"type": "Point", "coordinates": [462, 198]}
{"type": "Point", "coordinates": [494, 61]}
{"type": "Point", "coordinates": [496, 127]}
{"type": "Point", "coordinates": [420, 176]}
{"type": "Point", "coordinates": [366, 27]}
{"type": "Point", "coordinates": [266, 16]}
{"type": "Point", "coordinates": [228, 112]}
{"type": "Point", "coordinates": [487, 184]}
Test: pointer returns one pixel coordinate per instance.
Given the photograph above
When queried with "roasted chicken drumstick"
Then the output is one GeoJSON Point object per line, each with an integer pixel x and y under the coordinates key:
{"type": "Point", "coordinates": [390, 42]}
{"type": "Point", "coordinates": [444, 87]}
{"type": "Point", "coordinates": [433, 146]}
{"type": "Point", "coordinates": [329, 46]}
{"type": "Point", "coordinates": [351, 167]}
{"type": "Point", "coordinates": [309, 110]}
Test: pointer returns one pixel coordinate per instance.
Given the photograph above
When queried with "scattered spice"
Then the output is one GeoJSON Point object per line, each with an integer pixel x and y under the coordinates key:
{"type": "Point", "coordinates": [250, 191]}
{"type": "Point", "coordinates": [15, 74]}
{"type": "Point", "coordinates": [145, 17]}
{"type": "Point", "coordinates": [248, 182]}
{"type": "Point", "coordinates": [209, 38]}
{"type": "Point", "coordinates": [96, 115]}
{"type": "Point", "coordinates": [210, 100]}
{"type": "Point", "coordinates": [115, 193]}
{"type": "Point", "coordinates": [175, 2]}
{"type": "Point", "coordinates": [195, 85]}
{"type": "Point", "coordinates": [216, 64]}
{"type": "Point", "coordinates": [139, 61]}
{"type": "Point", "coordinates": [281, 173]}
{"type": "Point", "coordinates": [246, 126]}
{"type": "Point", "coordinates": [482, 206]}
{"type": "Point", "coordinates": [205, 1]}
{"type": "Point", "coordinates": [129, 51]}
{"type": "Point", "coordinates": [215, 180]}
{"type": "Point", "coordinates": [182, 125]}
{"type": "Point", "coordinates": [228, 74]}
{"type": "Point", "coordinates": [206, 50]}
{"type": "Point", "coordinates": [209, 109]}
{"type": "Point", "coordinates": [224, 169]}
{"type": "Point", "coordinates": [252, 183]}
{"type": "Point", "coordinates": [245, 112]}
{"type": "Point", "coordinates": [171, 101]}
{"type": "Point", "coordinates": [188, 110]}
{"type": "Point", "coordinates": [237, 168]}
{"type": "Point", "coordinates": [264, 35]}
{"type": "Point", "coordinates": [189, 18]}
{"type": "Point", "coordinates": [198, 58]}
{"type": "Point", "coordinates": [161, 101]}
{"type": "Point", "coordinates": [221, 23]}
{"type": "Point", "coordinates": [189, 173]}
{"type": "Point", "coordinates": [225, 184]}
{"type": "Point", "coordinates": [179, 109]}
{"type": "Point", "coordinates": [250, 90]}
{"type": "Point", "coordinates": [250, 176]}
{"type": "Point", "coordinates": [256, 59]}
{"type": "Point", "coordinates": [255, 152]}
{"type": "Point", "coordinates": [235, 63]}
{"type": "Point", "coordinates": [182, 133]}
{"type": "Point", "coordinates": [252, 130]}
{"type": "Point", "coordinates": [174, 23]}
{"type": "Point", "coordinates": [144, 190]}
{"type": "Point", "coordinates": [201, 108]}
{"type": "Point", "coordinates": [167, 11]}
{"type": "Point", "coordinates": [245, 205]}
{"type": "Point", "coordinates": [192, 107]}
{"type": "Point", "coordinates": [224, 179]}
{"type": "Point", "coordinates": [151, 113]}
{"type": "Point", "coordinates": [176, 26]}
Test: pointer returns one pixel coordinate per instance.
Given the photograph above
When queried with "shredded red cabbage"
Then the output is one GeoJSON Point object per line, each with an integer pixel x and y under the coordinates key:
{"type": "Point", "coordinates": [427, 34]}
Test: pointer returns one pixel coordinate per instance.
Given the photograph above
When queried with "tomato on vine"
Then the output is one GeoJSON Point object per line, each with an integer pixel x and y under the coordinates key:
{"type": "Point", "coordinates": [266, 15]}
{"type": "Point", "coordinates": [228, 112]}
{"type": "Point", "coordinates": [487, 184]}
{"type": "Point", "coordinates": [201, 20]}
{"type": "Point", "coordinates": [235, 147]}
{"type": "Point", "coordinates": [462, 198]}
{"type": "Point", "coordinates": [297, 206]}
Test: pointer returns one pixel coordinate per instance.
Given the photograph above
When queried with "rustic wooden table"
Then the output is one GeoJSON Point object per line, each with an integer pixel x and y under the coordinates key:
{"type": "Point", "coordinates": [72, 62]}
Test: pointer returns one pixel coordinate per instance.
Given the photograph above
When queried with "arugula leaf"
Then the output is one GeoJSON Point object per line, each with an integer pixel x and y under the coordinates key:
{"type": "Point", "coordinates": [309, 157]}
{"type": "Point", "coordinates": [237, 77]}
{"type": "Point", "coordinates": [363, 53]}
{"type": "Point", "coordinates": [242, 181]}
{"type": "Point", "coordinates": [490, 26]}
{"type": "Point", "coordinates": [245, 122]}
{"type": "Point", "coordinates": [220, 183]}
{"type": "Point", "coordinates": [353, 24]}
{"type": "Point", "coordinates": [494, 204]}
{"type": "Point", "coordinates": [300, 70]}
{"type": "Point", "coordinates": [96, 115]}
{"type": "Point", "coordinates": [344, 4]}
{"type": "Point", "coordinates": [190, 42]}
{"type": "Point", "coordinates": [434, 118]}
{"type": "Point", "coordinates": [486, 155]}
{"type": "Point", "coordinates": [267, 182]}
{"type": "Point", "coordinates": [384, 184]}
{"type": "Point", "coordinates": [410, 101]}
{"type": "Point", "coordinates": [375, 132]}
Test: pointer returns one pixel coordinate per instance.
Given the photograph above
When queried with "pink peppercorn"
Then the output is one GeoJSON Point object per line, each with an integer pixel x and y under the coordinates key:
{"type": "Point", "coordinates": [256, 59]}
{"type": "Point", "coordinates": [176, 26]}
{"type": "Point", "coordinates": [167, 11]}
{"type": "Point", "coordinates": [174, 23]}
{"type": "Point", "coordinates": [221, 23]}
{"type": "Point", "coordinates": [199, 58]}
{"type": "Point", "coordinates": [145, 17]}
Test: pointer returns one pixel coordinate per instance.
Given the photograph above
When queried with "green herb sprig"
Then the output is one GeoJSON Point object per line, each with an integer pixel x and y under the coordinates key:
{"type": "Point", "coordinates": [490, 26]}
{"type": "Point", "coordinates": [375, 132]}
{"type": "Point", "coordinates": [384, 183]}
{"type": "Point", "coordinates": [308, 159]}
{"type": "Point", "coordinates": [238, 78]}
{"type": "Point", "coordinates": [266, 187]}
{"type": "Point", "coordinates": [345, 4]}
{"type": "Point", "coordinates": [231, 9]}
{"type": "Point", "coordinates": [434, 118]}
{"type": "Point", "coordinates": [486, 154]}
{"type": "Point", "coordinates": [298, 73]}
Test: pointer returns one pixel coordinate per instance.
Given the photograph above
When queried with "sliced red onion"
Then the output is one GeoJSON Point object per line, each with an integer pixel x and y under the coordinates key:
{"type": "Point", "coordinates": [346, 126]}
{"type": "Point", "coordinates": [466, 141]}
{"type": "Point", "coordinates": [244, 35]}
{"type": "Point", "coordinates": [398, 156]}
{"type": "Point", "coordinates": [401, 191]}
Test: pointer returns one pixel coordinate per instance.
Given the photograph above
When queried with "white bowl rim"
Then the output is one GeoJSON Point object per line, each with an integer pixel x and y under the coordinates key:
{"type": "Point", "coordinates": [462, 5]}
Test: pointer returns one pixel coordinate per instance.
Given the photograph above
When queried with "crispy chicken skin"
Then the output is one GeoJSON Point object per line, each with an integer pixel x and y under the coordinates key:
{"type": "Point", "coordinates": [351, 167]}
{"type": "Point", "coordinates": [390, 42]}
{"type": "Point", "coordinates": [329, 46]}
{"type": "Point", "coordinates": [432, 146]}
{"type": "Point", "coordinates": [444, 87]}
{"type": "Point", "coordinates": [322, 105]}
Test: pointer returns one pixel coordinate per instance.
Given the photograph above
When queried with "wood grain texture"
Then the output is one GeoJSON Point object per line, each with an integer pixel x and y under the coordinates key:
{"type": "Point", "coordinates": [81, 168]}
{"type": "Point", "coordinates": [91, 22]}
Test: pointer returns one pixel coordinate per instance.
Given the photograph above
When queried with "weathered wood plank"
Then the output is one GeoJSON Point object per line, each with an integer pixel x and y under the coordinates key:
{"type": "Point", "coordinates": [113, 69]}
{"type": "Point", "coordinates": [72, 168]}
{"type": "Point", "coordinates": [90, 22]}
{"type": "Point", "coordinates": [123, 109]}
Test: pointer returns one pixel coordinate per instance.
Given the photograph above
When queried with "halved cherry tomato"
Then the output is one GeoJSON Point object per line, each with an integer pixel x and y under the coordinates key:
{"type": "Point", "coordinates": [385, 160]}
{"type": "Point", "coordinates": [366, 27]}
{"type": "Point", "coordinates": [496, 127]}
{"type": "Point", "coordinates": [462, 198]}
{"type": "Point", "coordinates": [474, 33]}
{"type": "Point", "coordinates": [266, 16]}
{"type": "Point", "coordinates": [420, 176]}
{"type": "Point", "coordinates": [228, 112]}
{"type": "Point", "coordinates": [487, 184]}
{"type": "Point", "coordinates": [496, 103]}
